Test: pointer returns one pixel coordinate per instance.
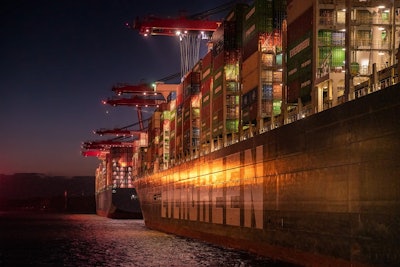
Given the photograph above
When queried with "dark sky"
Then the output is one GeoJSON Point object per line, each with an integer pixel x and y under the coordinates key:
{"type": "Point", "coordinates": [58, 60]}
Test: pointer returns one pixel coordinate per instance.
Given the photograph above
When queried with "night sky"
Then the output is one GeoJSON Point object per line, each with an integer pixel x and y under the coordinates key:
{"type": "Point", "coordinates": [58, 60]}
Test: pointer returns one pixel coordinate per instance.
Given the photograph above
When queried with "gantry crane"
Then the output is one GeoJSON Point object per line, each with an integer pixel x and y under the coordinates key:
{"type": "Point", "coordinates": [190, 30]}
{"type": "Point", "coordinates": [100, 148]}
{"type": "Point", "coordinates": [124, 138]}
{"type": "Point", "coordinates": [142, 89]}
{"type": "Point", "coordinates": [117, 132]}
{"type": "Point", "coordinates": [141, 96]}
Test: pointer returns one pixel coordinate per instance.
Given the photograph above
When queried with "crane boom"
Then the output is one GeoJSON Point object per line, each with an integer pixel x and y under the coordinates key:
{"type": "Point", "coordinates": [170, 26]}
{"type": "Point", "coordinates": [118, 132]}
{"type": "Point", "coordinates": [99, 144]}
{"type": "Point", "coordinates": [133, 101]}
{"type": "Point", "coordinates": [189, 30]}
{"type": "Point", "coordinates": [94, 153]}
{"type": "Point", "coordinates": [142, 88]}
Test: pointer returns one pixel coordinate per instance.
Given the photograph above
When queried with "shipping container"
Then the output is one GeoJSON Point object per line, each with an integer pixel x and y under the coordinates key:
{"type": "Point", "coordinates": [207, 61]}
{"type": "Point", "coordinates": [219, 60]}
{"type": "Point", "coordinates": [206, 86]}
{"type": "Point", "coordinates": [250, 47]}
{"type": "Point", "coordinates": [250, 98]}
{"type": "Point", "coordinates": [232, 87]}
{"type": "Point", "coordinates": [258, 19]}
{"type": "Point", "coordinates": [232, 126]}
{"type": "Point", "coordinates": [217, 103]}
{"type": "Point", "coordinates": [197, 67]}
{"type": "Point", "coordinates": [191, 84]}
{"type": "Point", "coordinates": [155, 120]}
{"type": "Point", "coordinates": [251, 73]}
{"type": "Point", "coordinates": [179, 94]}
{"type": "Point", "coordinates": [233, 26]}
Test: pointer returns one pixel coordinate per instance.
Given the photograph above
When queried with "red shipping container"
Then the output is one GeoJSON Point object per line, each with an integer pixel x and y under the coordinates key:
{"type": "Point", "coordinates": [207, 60]}
{"type": "Point", "coordinates": [219, 60]}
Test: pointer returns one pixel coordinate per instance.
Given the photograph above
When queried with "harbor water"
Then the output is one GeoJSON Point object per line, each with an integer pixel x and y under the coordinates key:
{"type": "Point", "coordinates": [45, 239]}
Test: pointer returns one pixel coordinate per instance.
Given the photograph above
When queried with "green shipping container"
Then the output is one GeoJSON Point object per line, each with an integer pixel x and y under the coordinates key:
{"type": "Point", "coordinates": [232, 126]}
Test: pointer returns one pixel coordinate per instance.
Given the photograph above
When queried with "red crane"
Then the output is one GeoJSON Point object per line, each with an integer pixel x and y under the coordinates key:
{"type": "Point", "coordinates": [100, 148]}
{"type": "Point", "coordinates": [133, 101]}
{"type": "Point", "coordinates": [123, 131]}
{"type": "Point", "coordinates": [142, 88]}
{"type": "Point", "coordinates": [125, 137]}
{"type": "Point", "coordinates": [98, 153]}
{"type": "Point", "coordinates": [117, 132]}
{"type": "Point", "coordinates": [106, 144]}
{"type": "Point", "coordinates": [142, 96]}
{"type": "Point", "coordinates": [190, 30]}
{"type": "Point", "coordinates": [174, 26]}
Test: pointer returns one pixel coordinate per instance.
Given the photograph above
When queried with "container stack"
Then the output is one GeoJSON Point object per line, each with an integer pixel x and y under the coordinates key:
{"type": "Point", "coordinates": [206, 106]}
{"type": "Point", "coordinates": [262, 66]}
{"type": "Point", "coordinates": [191, 113]}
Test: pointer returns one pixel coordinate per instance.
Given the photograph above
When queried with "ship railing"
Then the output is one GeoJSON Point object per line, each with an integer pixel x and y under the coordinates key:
{"type": "Point", "coordinates": [292, 115]}
{"type": "Point", "coordinates": [385, 78]}
{"type": "Point", "coordinates": [299, 113]}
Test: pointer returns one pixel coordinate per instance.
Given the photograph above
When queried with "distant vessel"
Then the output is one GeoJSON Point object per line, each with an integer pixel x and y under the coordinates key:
{"type": "Point", "coordinates": [115, 195]}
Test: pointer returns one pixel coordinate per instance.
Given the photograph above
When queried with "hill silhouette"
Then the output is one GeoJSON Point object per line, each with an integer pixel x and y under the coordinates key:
{"type": "Point", "coordinates": [38, 191]}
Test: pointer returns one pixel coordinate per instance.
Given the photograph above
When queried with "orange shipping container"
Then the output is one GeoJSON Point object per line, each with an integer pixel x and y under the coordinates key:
{"type": "Point", "coordinates": [250, 73]}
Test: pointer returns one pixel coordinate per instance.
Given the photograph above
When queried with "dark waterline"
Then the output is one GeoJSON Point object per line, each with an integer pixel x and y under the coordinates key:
{"type": "Point", "coordinates": [44, 239]}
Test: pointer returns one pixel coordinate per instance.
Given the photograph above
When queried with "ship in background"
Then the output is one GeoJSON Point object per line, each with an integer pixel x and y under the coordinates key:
{"type": "Point", "coordinates": [115, 195]}
{"type": "Point", "coordinates": [114, 192]}
{"type": "Point", "coordinates": [283, 139]}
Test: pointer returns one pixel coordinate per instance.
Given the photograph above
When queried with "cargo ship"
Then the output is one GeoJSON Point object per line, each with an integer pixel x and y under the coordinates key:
{"type": "Point", "coordinates": [321, 191]}
{"type": "Point", "coordinates": [283, 140]}
{"type": "Point", "coordinates": [115, 195]}
{"type": "Point", "coordinates": [275, 145]}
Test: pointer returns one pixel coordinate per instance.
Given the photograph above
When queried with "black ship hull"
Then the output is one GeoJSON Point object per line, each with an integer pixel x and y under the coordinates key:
{"type": "Point", "coordinates": [119, 203]}
{"type": "Point", "coordinates": [322, 191]}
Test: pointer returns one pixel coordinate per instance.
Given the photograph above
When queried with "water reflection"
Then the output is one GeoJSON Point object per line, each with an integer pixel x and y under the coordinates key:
{"type": "Point", "coordinates": [90, 240]}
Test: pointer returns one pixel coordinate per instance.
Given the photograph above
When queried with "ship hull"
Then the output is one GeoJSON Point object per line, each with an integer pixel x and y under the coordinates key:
{"type": "Point", "coordinates": [120, 203]}
{"type": "Point", "coordinates": [324, 190]}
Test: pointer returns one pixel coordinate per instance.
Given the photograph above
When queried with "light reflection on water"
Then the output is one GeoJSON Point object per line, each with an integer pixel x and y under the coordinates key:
{"type": "Point", "coordinates": [89, 240]}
